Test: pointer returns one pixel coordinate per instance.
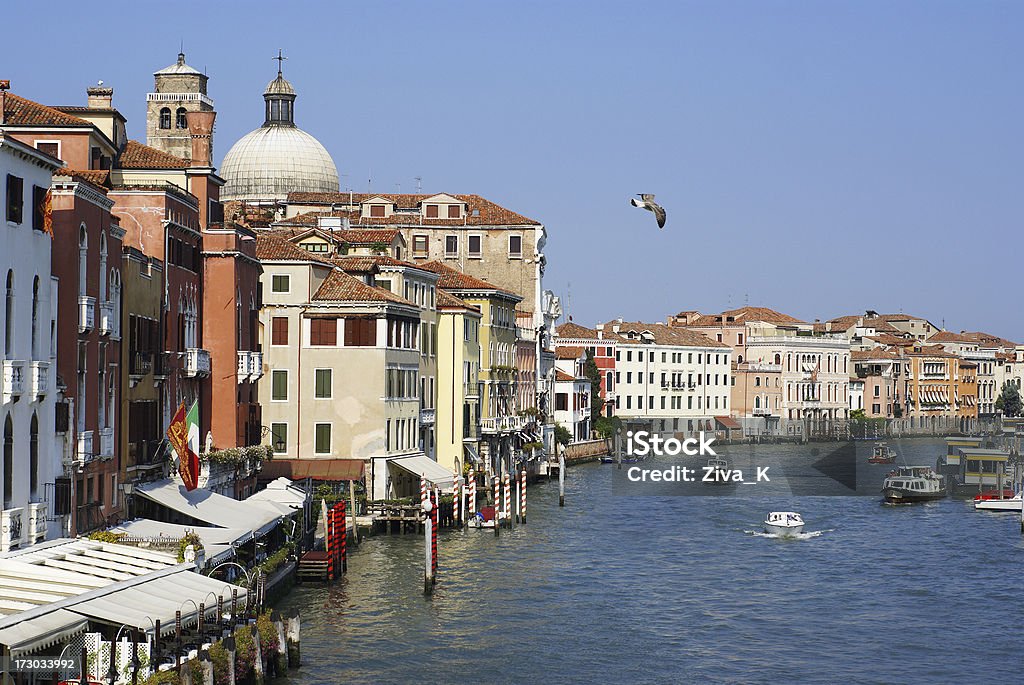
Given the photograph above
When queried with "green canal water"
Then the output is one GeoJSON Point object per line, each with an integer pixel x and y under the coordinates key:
{"type": "Point", "coordinates": [676, 589]}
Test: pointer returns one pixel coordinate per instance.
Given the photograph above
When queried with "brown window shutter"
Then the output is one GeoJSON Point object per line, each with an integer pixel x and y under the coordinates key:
{"type": "Point", "coordinates": [329, 332]}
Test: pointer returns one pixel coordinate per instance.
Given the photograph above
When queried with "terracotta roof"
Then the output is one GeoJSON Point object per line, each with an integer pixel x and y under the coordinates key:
{"type": "Point", "coordinates": [248, 214]}
{"type": "Point", "coordinates": [479, 211]}
{"type": "Point", "coordinates": [568, 352]}
{"type": "Point", "coordinates": [745, 315]}
{"type": "Point", "coordinates": [445, 300]}
{"type": "Point", "coordinates": [453, 279]}
{"type": "Point", "coordinates": [871, 355]}
{"type": "Point", "coordinates": [370, 262]}
{"type": "Point", "coordinates": [968, 364]}
{"type": "Point", "coordinates": [576, 331]}
{"type": "Point", "coordinates": [929, 351]}
{"type": "Point", "coordinates": [270, 247]}
{"type": "Point", "coordinates": [887, 339]}
{"type": "Point", "coordinates": [663, 334]}
{"type": "Point", "coordinates": [950, 336]}
{"type": "Point", "coordinates": [138, 156]}
{"type": "Point", "coordinates": [988, 340]}
{"type": "Point", "coordinates": [19, 111]}
{"type": "Point", "coordinates": [96, 177]}
{"type": "Point", "coordinates": [563, 376]}
{"type": "Point", "coordinates": [845, 323]}
{"type": "Point", "coordinates": [353, 236]}
{"type": "Point", "coordinates": [340, 286]}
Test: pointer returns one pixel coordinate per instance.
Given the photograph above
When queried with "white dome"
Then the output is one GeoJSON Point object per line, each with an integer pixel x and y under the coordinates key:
{"type": "Point", "coordinates": [270, 162]}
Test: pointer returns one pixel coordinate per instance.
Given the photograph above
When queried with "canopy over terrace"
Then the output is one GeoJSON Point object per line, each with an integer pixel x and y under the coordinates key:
{"type": "Point", "coordinates": [51, 591]}
{"type": "Point", "coordinates": [400, 476]}
{"type": "Point", "coordinates": [217, 542]}
{"type": "Point", "coordinates": [211, 508]}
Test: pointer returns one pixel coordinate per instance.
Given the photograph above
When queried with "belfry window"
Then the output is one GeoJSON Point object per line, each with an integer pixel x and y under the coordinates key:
{"type": "Point", "coordinates": [180, 120]}
{"type": "Point", "coordinates": [165, 117]}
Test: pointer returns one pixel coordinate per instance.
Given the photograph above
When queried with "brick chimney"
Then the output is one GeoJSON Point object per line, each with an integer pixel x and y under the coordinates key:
{"type": "Point", "coordinates": [100, 97]}
{"type": "Point", "coordinates": [200, 126]}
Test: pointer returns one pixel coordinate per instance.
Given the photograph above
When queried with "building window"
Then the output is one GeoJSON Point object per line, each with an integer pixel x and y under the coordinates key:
{"type": "Point", "coordinates": [15, 198]}
{"type": "Point", "coordinates": [419, 246]}
{"type": "Point", "coordinates": [279, 437]}
{"type": "Point", "coordinates": [280, 283]}
{"type": "Point", "coordinates": [165, 117]}
{"type": "Point", "coordinates": [474, 246]}
{"type": "Point", "coordinates": [454, 211]}
{"type": "Point", "coordinates": [323, 332]}
{"type": "Point", "coordinates": [179, 120]}
{"type": "Point", "coordinates": [8, 462]}
{"type": "Point", "coordinates": [279, 385]}
{"type": "Point", "coordinates": [360, 332]}
{"type": "Point", "coordinates": [515, 246]}
{"type": "Point", "coordinates": [50, 148]}
{"type": "Point", "coordinates": [38, 208]}
{"type": "Point", "coordinates": [451, 246]}
{"type": "Point", "coordinates": [9, 316]}
{"type": "Point", "coordinates": [279, 330]}
{"type": "Point", "coordinates": [432, 211]}
{"type": "Point", "coordinates": [377, 210]}
{"type": "Point", "coordinates": [323, 383]}
{"type": "Point", "coordinates": [322, 438]}
{"type": "Point", "coordinates": [561, 401]}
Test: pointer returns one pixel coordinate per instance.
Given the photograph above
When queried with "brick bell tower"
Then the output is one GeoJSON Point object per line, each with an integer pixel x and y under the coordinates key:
{"type": "Point", "coordinates": [179, 89]}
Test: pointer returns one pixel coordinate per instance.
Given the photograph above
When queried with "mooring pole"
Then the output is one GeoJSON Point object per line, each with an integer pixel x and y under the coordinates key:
{"type": "Point", "coordinates": [428, 547]}
{"type": "Point", "coordinates": [522, 496]}
{"type": "Point", "coordinates": [561, 480]}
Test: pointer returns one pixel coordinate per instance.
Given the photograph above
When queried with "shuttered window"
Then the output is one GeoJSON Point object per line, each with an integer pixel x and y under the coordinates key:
{"type": "Point", "coordinates": [279, 389]}
{"type": "Point", "coordinates": [323, 332]}
{"type": "Point", "coordinates": [360, 332]}
{"type": "Point", "coordinates": [323, 378]}
{"type": "Point", "coordinates": [279, 327]}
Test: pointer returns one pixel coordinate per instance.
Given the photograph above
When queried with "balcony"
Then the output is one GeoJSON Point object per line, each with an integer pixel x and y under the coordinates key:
{"type": "Point", "coordinates": [140, 364]}
{"type": "Point", "coordinates": [501, 424]}
{"type": "Point", "coordinates": [255, 366]}
{"type": "Point", "coordinates": [12, 530]}
{"type": "Point", "coordinates": [107, 318]}
{"type": "Point", "coordinates": [243, 367]}
{"type": "Point", "coordinates": [197, 362]}
{"type": "Point", "coordinates": [106, 443]}
{"type": "Point", "coordinates": [762, 412]}
{"type": "Point", "coordinates": [84, 454]}
{"type": "Point", "coordinates": [36, 522]}
{"type": "Point", "coordinates": [40, 378]}
{"type": "Point", "coordinates": [765, 368]}
{"type": "Point", "coordinates": [13, 379]}
{"type": "Point", "coordinates": [426, 417]}
{"type": "Point", "coordinates": [86, 313]}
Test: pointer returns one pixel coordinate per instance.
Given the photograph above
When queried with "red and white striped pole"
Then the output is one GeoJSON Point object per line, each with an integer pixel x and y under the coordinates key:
{"type": "Point", "coordinates": [522, 495]}
{"type": "Point", "coordinates": [508, 497]}
{"type": "Point", "coordinates": [457, 502]}
{"type": "Point", "coordinates": [497, 506]}
{"type": "Point", "coordinates": [435, 516]}
{"type": "Point", "coordinates": [471, 504]}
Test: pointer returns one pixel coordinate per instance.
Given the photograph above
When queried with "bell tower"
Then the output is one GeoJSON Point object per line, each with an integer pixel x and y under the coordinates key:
{"type": "Point", "coordinates": [178, 90]}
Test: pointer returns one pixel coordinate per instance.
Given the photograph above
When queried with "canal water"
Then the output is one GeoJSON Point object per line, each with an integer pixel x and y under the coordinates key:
{"type": "Point", "coordinates": [679, 589]}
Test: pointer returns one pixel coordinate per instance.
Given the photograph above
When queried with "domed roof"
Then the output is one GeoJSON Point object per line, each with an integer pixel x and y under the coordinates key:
{"type": "Point", "coordinates": [270, 162]}
{"type": "Point", "coordinates": [279, 86]}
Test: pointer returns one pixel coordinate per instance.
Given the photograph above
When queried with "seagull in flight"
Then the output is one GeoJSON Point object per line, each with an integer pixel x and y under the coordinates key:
{"type": "Point", "coordinates": [647, 202]}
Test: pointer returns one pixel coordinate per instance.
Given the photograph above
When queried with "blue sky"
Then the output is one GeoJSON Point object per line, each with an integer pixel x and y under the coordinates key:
{"type": "Point", "coordinates": [817, 157]}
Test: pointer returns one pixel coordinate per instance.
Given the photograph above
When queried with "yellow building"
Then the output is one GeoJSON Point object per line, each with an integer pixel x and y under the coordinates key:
{"type": "Point", "coordinates": [932, 385]}
{"type": "Point", "coordinates": [499, 423]}
{"type": "Point", "coordinates": [458, 390]}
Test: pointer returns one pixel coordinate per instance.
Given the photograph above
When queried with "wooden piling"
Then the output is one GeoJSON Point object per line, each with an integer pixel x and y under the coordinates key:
{"type": "Point", "coordinates": [561, 480]}
{"type": "Point", "coordinates": [434, 521]}
{"type": "Point", "coordinates": [257, 662]}
{"type": "Point", "coordinates": [292, 637]}
{"type": "Point", "coordinates": [207, 665]}
{"type": "Point", "coordinates": [428, 547]}
{"type": "Point", "coordinates": [229, 646]}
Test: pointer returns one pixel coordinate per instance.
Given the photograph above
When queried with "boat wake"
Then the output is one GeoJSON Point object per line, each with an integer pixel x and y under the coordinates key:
{"type": "Point", "coordinates": [800, 536]}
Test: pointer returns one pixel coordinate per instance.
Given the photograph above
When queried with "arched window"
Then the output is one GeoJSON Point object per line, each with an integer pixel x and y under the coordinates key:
{"type": "Point", "coordinates": [83, 259]}
{"type": "Point", "coordinates": [33, 457]}
{"type": "Point", "coordinates": [778, 358]}
{"type": "Point", "coordinates": [757, 403]}
{"type": "Point", "coordinates": [9, 316]}
{"type": "Point", "coordinates": [104, 293]}
{"type": "Point", "coordinates": [8, 462]}
{"type": "Point", "coordinates": [35, 318]}
{"type": "Point", "coordinates": [180, 121]}
{"type": "Point", "coordinates": [165, 117]}
{"type": "Point", "coordinates": [757, 381]}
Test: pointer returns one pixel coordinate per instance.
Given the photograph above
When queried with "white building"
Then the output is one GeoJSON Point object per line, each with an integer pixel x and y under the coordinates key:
{"type": "Point", "coordinates": [31, 454]}
{"type": "Point", "coordinates": [671, 378]}
{"type": "Point", "coordinates": [572, 392]}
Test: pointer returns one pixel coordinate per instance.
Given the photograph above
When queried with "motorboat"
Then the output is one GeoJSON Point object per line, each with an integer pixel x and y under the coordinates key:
{"type": "Point", "coordinates": [985, 502]}
{"type": "Point", "coordinates": [783, 523]}
{"type": "Point", "coordinates": [607, 459]}
{"type": "Point", "coordinates": [487, 517]}
{"type": "Point", "coordinates": [910, 484]}
{"type": "Point", "coordinates": [717, 472]}
{"type": "Point", "coordinates": [882, 454]}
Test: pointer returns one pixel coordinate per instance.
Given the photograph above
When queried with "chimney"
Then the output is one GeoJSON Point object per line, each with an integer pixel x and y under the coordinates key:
{"type": "Point", "coordinates": [5, 85]}
{"type": "Point", "coordinates": [200, 126]}
{"type": "Point", "coordinates": [100, 97]}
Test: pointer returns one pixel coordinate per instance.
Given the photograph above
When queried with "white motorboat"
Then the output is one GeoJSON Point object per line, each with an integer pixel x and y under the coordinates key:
{"type": "Point", "coordinates": [1009, 504]}
{"type": "Point", "coordinates": [783, 523]}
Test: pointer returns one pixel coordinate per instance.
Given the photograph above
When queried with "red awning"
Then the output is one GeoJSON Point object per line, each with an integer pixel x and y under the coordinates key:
{"type": "Point", "coordinates": [728, 422]}
{"type": "Point", "coordinates": [317, 469]}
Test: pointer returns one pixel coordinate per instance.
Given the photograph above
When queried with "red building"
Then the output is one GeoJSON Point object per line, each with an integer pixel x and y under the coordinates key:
{"type": "Point", "coordinates": [600, 344]}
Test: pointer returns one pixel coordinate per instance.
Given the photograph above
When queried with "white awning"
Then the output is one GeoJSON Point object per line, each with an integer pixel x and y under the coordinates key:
{"type": "Point", "coordinates": [41, 632]}
{"type": "Point", "coordinates": [209, 507]}
{"type": "Point", "coordinates": [281, 491]}
{"type": "Point", "coordinates": [217, 542]}
{"type": "Point", "coordinates": [422, 466]}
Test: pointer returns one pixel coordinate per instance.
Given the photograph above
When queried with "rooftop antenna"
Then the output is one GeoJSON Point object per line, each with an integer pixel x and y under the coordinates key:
{"type": "Point", "coordinates": [419, 184]}
{"type": "Point", "coordinates": [568, 300]}
{"type": "Point", "coordinates": [369, 181]}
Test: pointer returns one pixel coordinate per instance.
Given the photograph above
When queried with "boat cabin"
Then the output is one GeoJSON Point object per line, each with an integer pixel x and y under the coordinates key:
{"type": "Point", "coordinates": [954, 445]}
{"type": "Point", "coordinates": [980, 466]}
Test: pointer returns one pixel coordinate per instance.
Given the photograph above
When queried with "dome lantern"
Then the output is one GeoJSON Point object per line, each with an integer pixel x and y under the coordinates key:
{"type": "Point", "coordinates": [280, 99]}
